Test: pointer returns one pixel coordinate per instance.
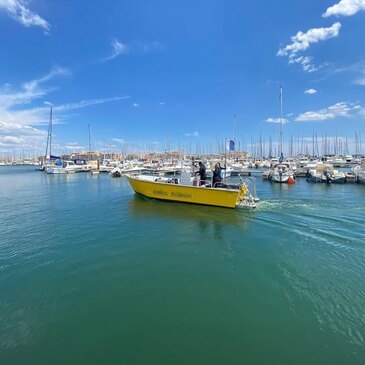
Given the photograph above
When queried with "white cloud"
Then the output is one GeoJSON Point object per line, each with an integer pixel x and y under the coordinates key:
{"type": "Point", "coordinates": [302, 41]}
{"type": "Point", "coordinates": [162, 103]}
{"type": "Point", "coordinates": [276, 120]}
{"type": "Point", "coordinates": [193, 134]}
{"type": "Point", "coordinates": [361, 79]}
{"type": "Point", "coordinates": [146, 47]}
{"type": "Point", "coordinates": [345, 8]}
{"type": "Point", "coordinates": [135, 105]}
{"type": "Point", "coordinates": [14, 103]}
{"type": "Point", "coordinates": [14, 135]}
{"type": "Point", "coordinates": [310, 91]}
{"type": "Point", "coordinates": [118, 48]}
{"type": "Point", "coordinates": [306, 63]}
{"type": "Point", "coordinates": [120, 140]}
{"type": "Point", "coordinates": [74, 147]}
{"type": "Point", "coordinates": [85, 103]}
{"type": "Point", "coordinates": [18, 112]}
{"type": "Point", "coordinates": [72, 143]}
{"type": "Point", "coordinates": [18, 11]}
{"type": "Point", "coordinates": [342, 109]}
{"type": "Point", "coordinates": [356, 69]}
{"type": "Point", "coordinates": [29, 91]}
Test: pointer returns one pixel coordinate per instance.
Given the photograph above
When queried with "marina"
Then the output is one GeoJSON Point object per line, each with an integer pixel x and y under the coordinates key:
{"type": "Point", "coordinates": [182, 182]}
{"type": "Point", "coordinates": [82, 251]}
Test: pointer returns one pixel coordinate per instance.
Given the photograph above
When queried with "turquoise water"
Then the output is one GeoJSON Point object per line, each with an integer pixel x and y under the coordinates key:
{"type": "Point", "coordinates": [92, 274]}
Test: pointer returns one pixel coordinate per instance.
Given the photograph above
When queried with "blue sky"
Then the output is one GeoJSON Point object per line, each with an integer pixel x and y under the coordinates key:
{"type": "Point", "coordinates": [172, 74]}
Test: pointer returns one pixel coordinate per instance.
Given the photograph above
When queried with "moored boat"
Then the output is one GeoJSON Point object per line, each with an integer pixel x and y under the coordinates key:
{"type": "Point", "coordinates": [282, 173]}
{"type": "Point", "coordinates": [325, 173]}
{"type": "Point", "coordinates": [360, 172]}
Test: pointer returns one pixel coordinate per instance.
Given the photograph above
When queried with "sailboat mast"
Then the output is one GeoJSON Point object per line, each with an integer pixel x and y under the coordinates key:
{"type": "Point", "coordinates": [49, 137]}
{"type": "Point", "coordinates": [50, 132]}
{"type": "Point", "coordinates": [45, 156]}
{"type": "Point", "coordinates": [281, 120]}
{"type": "Point", "coordinates": [89, 138]}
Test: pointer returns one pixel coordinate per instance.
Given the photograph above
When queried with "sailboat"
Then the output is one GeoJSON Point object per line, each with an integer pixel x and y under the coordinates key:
{"type": "Point", "coordinates": [44, 164]}
{"type": "Point", "coordinates": [50, 168]}
{"type": "Point", "coordinates": [281, 172]}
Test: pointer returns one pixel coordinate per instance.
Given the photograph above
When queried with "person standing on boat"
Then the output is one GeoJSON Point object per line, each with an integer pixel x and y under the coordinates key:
{"type": "Point", "coordinates": [217, 174]}
{"type": "Point", "coordinates": [202, 173]}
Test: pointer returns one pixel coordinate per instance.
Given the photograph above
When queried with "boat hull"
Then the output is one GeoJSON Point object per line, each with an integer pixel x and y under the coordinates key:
{"type": "Point", "coordinates": [56, 170]}
{"type": "Point", "coordinates": [361, 177]}
{"type": "Point", "coordinates": [283, 179]}
{"type": "Point", "coordinates": [316, 179]}
{"type": "Point", "coordinates": [185, 194]}
{"type": "Point", "coordinates": [338, 180]}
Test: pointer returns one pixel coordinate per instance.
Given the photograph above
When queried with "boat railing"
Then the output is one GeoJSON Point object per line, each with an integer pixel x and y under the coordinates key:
{"type": "Point", "coordinates": [253, 183]}
{"type": "Point", "coordinates": [250, 184]}
{"type": "Point", "coordinates": [216, 185]}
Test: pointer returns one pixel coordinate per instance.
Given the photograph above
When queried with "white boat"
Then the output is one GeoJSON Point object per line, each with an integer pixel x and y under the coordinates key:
{"type": "Point", "coordinates": [116, 172]}
{"type": "Point", "coordinates": [338, 161]}
{"type": "Point", "coordinates": [335, 177]}
{"type": "Point", "coordinates": [239, 169]}
{"type": "Point", "coordinates": [265, 175]}
{"type": "Point", "coordinates": [303, 161]}
{"type": "Point", "coordinates": [281, 173]}
{"type": "Point", "coordinates": [304, 171]}
{"type": "Point", "coordinates": [325, 173]}
{"type": "Point", "coordinates": [67, 167]}
{"type": "Point", "coordinates": [350, 177]}
{"type": "Point", "coordinates": [360, 172]}
{"type": "Point", "coordinates": [108, 165]}
{"type": "Point", "coordinates": [54, 169]}
{"type": "Point", "coordinates": [273, 161]}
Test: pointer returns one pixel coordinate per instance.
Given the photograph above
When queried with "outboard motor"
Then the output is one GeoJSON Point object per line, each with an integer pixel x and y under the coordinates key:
{"type": "Point", "coordinates": [328, 176]}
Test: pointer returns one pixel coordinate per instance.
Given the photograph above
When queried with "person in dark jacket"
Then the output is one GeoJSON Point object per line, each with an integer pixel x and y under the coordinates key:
{"type": "Point", "coordinates": [202, 173]}
{"type": "Point", "coordinates": [217, 174]}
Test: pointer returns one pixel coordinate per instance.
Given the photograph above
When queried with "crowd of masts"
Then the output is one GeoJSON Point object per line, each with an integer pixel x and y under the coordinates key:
{"type": "Point", "coordinates": [262, 147]}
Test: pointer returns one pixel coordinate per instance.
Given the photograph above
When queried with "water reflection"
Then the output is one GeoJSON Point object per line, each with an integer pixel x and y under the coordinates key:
{"type": "Point", "coordinates": [206, 216]}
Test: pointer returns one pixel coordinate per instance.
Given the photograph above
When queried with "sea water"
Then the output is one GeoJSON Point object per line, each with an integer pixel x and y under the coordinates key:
{"type": "Point", "coordinates": [91, 273]}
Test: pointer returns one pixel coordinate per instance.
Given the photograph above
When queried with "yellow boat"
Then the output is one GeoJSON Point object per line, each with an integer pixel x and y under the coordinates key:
{"type": "Point", "coordinates": [173, 190]}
